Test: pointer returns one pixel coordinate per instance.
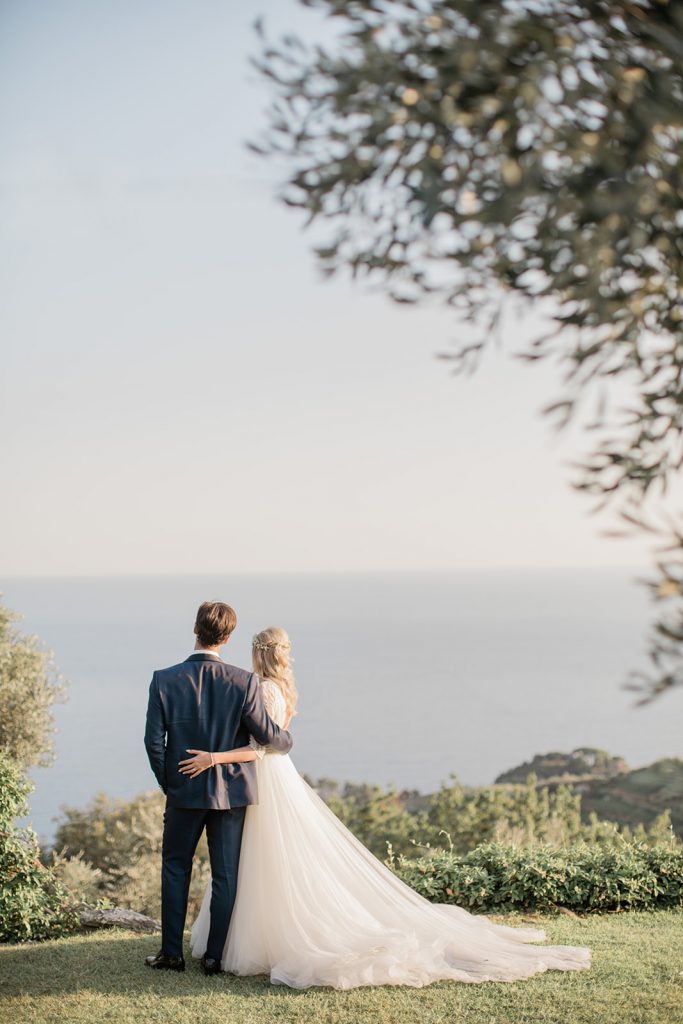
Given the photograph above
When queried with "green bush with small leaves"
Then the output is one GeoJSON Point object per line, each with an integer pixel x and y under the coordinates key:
{"type": "Point", "coordinates": [33, 902]}
{"type": "Point", "coordinates": [583, 878]}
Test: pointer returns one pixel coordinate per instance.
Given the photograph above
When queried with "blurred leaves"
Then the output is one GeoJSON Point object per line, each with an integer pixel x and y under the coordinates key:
{"type": "Point", "coordinates": [487, 152]}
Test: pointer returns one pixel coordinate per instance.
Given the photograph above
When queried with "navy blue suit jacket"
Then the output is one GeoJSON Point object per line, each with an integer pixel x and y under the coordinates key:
{"type": "Point", "coordinates": [205, 704]}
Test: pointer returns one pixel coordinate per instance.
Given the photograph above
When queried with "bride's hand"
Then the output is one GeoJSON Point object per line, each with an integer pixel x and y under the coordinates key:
{"type": "Point", "coordinates": [194, 766]}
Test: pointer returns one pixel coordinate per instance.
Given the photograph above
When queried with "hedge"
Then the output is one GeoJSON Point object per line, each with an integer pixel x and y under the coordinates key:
{"type": "Point", "coordinates": [581, 878]}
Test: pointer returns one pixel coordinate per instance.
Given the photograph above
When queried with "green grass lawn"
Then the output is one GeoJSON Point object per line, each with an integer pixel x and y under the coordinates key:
{"type": "Point", "coordinates": [636, 978]}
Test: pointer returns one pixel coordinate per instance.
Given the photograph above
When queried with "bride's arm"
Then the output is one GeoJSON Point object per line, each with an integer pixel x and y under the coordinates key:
{"type": "Point", "coordinates": [204, 759]}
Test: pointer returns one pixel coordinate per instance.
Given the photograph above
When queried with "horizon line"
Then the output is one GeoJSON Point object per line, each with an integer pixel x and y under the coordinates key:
{"type": "Point", "coordinates": [196, 573]}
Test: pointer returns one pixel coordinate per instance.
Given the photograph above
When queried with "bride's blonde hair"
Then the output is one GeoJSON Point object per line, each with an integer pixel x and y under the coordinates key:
{"type": "Point", "coordinates": [271, 660]}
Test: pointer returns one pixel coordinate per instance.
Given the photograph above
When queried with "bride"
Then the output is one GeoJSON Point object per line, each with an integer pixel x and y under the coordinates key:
{"type": "Point", "coordinates": [314, 907]}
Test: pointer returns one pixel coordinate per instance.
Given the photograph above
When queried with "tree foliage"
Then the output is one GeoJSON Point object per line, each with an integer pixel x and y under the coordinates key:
{"type": "Point", "coordinates": [487, 152]}
{"type": "Point", "coordinates": [33, 903]}
{"type": "Point", "coordinates": [584, 762]}
{"type": "Point", "coordinates": [29, 686]}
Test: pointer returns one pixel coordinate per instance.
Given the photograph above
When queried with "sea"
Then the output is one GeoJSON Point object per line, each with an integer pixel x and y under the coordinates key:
{"type": "Point", "coordinates": [405, 679]}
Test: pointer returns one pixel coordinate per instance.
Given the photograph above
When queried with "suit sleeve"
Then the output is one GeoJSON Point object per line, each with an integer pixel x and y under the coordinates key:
{"type": "Point", "coordinates": [155, 734]}
{"type": "Point", "coordinates": [258, 722]}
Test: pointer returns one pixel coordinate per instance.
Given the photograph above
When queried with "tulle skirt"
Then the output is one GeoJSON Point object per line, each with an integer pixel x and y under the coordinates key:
{"type": "Point", "coordinates": [315, 907]}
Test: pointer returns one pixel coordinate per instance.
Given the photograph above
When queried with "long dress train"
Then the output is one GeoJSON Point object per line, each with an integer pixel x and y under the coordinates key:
{"type": "Point", "coordinates": [315, 907]}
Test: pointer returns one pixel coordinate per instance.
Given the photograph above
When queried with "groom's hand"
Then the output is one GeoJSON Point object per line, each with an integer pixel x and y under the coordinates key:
{"type": "Point", "coordinates": [194, 766]}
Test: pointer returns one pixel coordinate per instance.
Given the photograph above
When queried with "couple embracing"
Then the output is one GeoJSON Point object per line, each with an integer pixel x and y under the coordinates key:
{"type": "Point", "coordinates": [293, 894]}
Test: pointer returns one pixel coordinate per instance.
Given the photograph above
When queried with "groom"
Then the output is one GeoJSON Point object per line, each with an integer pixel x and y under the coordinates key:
{"type": "Point", "coordinates": [205, 704]}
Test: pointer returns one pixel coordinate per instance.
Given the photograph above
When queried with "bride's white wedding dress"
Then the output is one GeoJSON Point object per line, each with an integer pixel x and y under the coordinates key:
{"type": "Point", "coordinates": [314, 907]}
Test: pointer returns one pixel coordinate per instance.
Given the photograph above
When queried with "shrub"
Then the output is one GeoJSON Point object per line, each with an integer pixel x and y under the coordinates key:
{"type": "Point", "coordinates": [33, 902]}
{"type": "Point", "coordinates": [118, 844]}
{"type": "Point", "coordinates": [80, 879]}
{"type": "Point", "coordinates": [112, 849]}
{"type": "Point", "coordinates": [584, 878]}
{"type": "Point", "coordinates": [512, 814]}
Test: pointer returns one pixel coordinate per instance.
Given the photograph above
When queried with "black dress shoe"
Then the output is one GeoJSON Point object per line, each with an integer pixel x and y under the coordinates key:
{"type": "Point", "coordinates": [161, 962]}
{"type": "Point", "coordinates": [210, 966]}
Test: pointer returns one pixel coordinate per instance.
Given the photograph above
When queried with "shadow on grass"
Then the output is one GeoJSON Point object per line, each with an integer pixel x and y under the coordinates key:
{"type": "Point", "coordinates": [114, 966]}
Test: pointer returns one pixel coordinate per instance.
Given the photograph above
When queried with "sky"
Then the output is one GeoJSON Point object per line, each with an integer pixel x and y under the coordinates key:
{"type": "Point", "coordinates": [180, 391]}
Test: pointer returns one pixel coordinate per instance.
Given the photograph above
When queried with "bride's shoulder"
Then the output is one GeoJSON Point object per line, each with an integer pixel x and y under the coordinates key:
{"type": "Point", "coordinates": [270, 685]}
{"type": "Point", "coordinates": [270, 690]}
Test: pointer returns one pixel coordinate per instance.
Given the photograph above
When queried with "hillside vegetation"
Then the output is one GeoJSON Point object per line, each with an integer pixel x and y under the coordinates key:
{"type": "Point", "coordinates": [608, 787]}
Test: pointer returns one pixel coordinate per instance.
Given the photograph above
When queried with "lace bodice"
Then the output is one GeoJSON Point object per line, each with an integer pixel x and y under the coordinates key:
{"type": "Point", "coordinates": [276, 707]}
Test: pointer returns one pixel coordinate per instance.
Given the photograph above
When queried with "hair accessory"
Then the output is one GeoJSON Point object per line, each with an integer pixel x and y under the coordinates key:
{"type": "Point", "coordinates": [260, 645]}
{"type": "Point", "coordinates": [268, 645]}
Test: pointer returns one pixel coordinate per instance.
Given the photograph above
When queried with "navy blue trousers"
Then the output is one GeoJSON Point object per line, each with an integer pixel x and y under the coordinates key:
{"type": "Point", "coordinates": [183, 827]}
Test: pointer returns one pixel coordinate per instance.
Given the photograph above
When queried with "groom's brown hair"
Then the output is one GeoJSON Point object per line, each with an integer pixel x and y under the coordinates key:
{"type": "Point", "coordinates": [215, 622]}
